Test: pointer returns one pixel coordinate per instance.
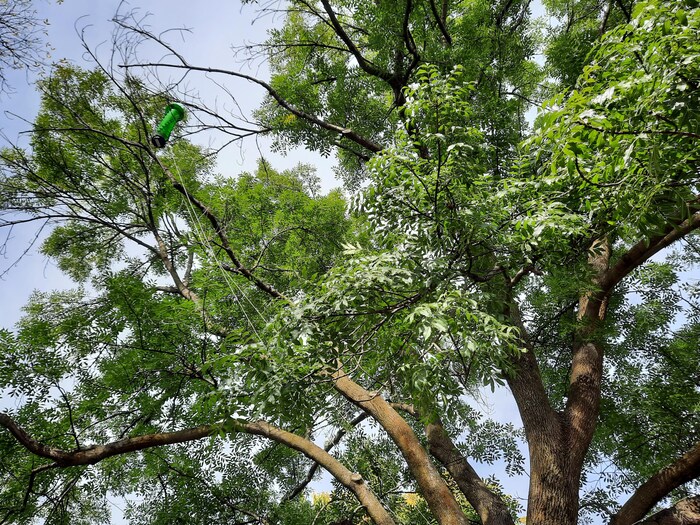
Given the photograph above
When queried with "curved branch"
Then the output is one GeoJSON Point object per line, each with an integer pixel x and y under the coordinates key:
{"type": "Point", "coordinates": [644, 250]}
{"type": "Point", "coordinates": [314, 468]}
{"type": "Point", "coordinates": [364, 64]}
{"type": "Point", "coordinates": [437, 494]}
{"type": "Point", "coordinates": [409, 41]}
{"type": "Point", "coordinates": [684, 469]}
{"type": "Point", "coordinates": [96, 453]}
{"type": "Point", "coordinates": [685, 512]}
{"type": "Point", "coordinates": [350, 480]}
{"type": "Point", "coordinates": [345, 132]}
{"type": "Point", "coordinates": [487, 504]}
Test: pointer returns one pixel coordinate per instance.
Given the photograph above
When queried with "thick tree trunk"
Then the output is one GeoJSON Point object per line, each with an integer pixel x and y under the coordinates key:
{"type": "Point", "coordinates": [554, 489]}
{"type": "Point", "coordinates": [554, 482]}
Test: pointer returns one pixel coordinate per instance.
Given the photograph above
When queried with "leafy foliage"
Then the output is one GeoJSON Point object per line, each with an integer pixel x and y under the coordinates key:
{"type": "Point", "coordinates": [472, 253]}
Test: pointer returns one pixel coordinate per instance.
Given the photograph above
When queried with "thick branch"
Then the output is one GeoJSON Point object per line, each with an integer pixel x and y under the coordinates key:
{"type": "Point", "coordinates": [685, 512]}
{"type": "Point", "coordinates": [437, 494]}
{"type": "Point", "coordinates": [441, 22]}
{"type": "Point", "coordinates": [583, 398]}
{"type": "Point", "coordinates": [686, 468]}
{"type": "Point", "coordinates": [644, 250]}
{"type": "Point", "coordinates": [94, 454]}
{"type": "Point", "coordinates": [526, 384]}
{"type": "Point", "coordinates": [350, 480]}
{"type": "Point", "coordinates": [487, 504]}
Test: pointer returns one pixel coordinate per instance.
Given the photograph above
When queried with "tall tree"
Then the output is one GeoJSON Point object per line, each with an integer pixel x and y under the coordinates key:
{"type": "Point", "coordinates": [231, 326]}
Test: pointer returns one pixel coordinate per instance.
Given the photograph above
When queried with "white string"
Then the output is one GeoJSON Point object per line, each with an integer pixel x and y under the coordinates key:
{"type": "Point", "coordinates": [200, 233]}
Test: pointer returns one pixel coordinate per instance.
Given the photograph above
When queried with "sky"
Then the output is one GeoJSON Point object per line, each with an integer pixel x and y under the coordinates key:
{"type": "Point", "coordinates": [215, 27]}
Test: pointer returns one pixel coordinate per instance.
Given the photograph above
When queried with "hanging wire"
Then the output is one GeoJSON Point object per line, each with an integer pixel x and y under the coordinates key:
{"type": "Point", "coordinates": [200, 233]}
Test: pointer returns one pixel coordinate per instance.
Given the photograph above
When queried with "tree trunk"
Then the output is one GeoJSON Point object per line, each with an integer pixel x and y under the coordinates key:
{"type": "Point", "coordinates": [554, 491]}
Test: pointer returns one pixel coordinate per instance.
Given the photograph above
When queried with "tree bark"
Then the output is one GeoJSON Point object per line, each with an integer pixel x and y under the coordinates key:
{"type": "Point", "coordinates": [685, 512]}
{"type": "Point", "coordinates": [94, 454]}
{"type": "Point", "coordinates": [559, 441]}
{"type": "Point", "coordinates": [488, 505]}
{"type": "Point", "coordinates": [658, 486]}
{"type": "Point", "coordinates": [553, 494]}
{"type": "Point", "coordinates": [434, 489]}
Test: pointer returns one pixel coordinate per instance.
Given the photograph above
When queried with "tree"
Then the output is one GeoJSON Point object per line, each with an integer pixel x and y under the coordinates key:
{"type": "Point", "coordinates": [232, 325]}
{"type": "Point", "coordinates": [21, 38]}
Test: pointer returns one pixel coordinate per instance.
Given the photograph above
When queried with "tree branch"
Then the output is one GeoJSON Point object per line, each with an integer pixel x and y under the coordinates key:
{"type": "Point", "coordinates": [96, 453]}
{"type": "Point", "coordinates": [225, 244]}
{"type": "Point", "coordinates": [364, 64]}
{"type": "Point", "coordinates": [299, 488]}
{"type": "Point", "coordinates": [684, 469]}
{"type": "Point", "coordinates": [585, 379]}
{"type": "Point", "coordinates": [350, 480]}
{"type": "Point", "coordinates": [441, 23]}
{"type": "Point", "coordinates": [490, 507]}
{"type": "Point", "coordinates": [685, 512]}
{"type": "Point", "coordinates": [487, 504]}
{"type": "Point", "coordinates": [437, 494]}
{"type": "Point", "coordinates": [644, 250]}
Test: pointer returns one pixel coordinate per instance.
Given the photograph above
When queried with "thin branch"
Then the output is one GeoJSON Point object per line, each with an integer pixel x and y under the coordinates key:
{"type": "Point", "coordinates": [221, 233]}
{"type": "Point", "coordinates": [367, 66]}
{"type": "Point", "coordinates": [441, 23]}
{"type": "Point", "coordinates": [345, 132]}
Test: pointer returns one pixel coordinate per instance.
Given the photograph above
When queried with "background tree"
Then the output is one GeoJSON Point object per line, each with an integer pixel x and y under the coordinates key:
{"type": "Point", "coordinates": [231, 326]}
{"type": "Point", "coordinates": [21, 38]}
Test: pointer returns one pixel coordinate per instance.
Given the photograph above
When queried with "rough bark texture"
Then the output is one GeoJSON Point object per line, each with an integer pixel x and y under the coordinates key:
{"type": "Point", "coordinates": [685, 512]}
{"type": "Point", "coordinates": [437, 494]}
{"type": "Point", "coordinates": [553, 497]}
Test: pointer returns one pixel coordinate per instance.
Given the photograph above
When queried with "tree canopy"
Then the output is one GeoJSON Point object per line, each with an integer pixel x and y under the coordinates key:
{"type": "Point", "coordinates": [233, 335]}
